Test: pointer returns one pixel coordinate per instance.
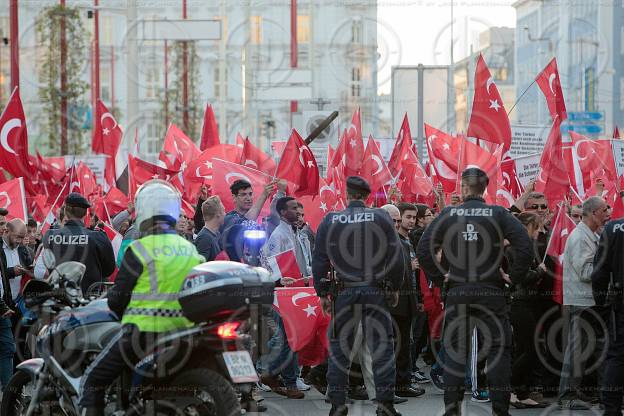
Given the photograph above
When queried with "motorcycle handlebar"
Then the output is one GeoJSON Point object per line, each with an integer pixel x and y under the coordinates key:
{"type": "Point", "coordinates": [42, 297]}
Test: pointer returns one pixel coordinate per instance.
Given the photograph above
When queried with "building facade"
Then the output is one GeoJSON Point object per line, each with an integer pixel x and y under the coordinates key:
{"type": "Point", "coordinates": [587, 38]}
{"type": "Point", "coordinates": [247, 75]}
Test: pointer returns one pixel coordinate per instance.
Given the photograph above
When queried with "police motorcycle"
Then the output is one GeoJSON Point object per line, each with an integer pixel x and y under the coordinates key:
{"type": "Point", "coordinates": [186, 372]}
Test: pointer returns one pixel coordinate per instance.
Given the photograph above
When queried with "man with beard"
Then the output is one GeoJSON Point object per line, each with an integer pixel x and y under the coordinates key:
{"type": "Point", "coordinates": [407, 309]}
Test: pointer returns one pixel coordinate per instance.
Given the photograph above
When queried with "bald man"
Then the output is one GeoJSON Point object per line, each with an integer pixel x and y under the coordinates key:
{"type": "Point", "coordinates": [17, 260]}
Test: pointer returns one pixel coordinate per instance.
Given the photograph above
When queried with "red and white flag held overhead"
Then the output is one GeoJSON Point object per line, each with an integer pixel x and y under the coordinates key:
{"type": "Point", "coordinates": [374, 168]}
{"type": "Point", "coordinates": [226, 173]}
{"type": "Point", "coordinates": [553, 180]}
{"type": "Point", "coordinates": [107, 134]}
{"type": "Point", "coordinates": [140, 171]}
{"type": "Point", "coordinates": [401, 146]}
{"type": "Point", "coordinates": [14, 138]}
{"type": "Point", "coordinates": [444, 153]}
{"type": "Point", "coordinates": [210, 130]}
{"type": "Point", "coordinates": [488, 119]}
{"type": "Point", "coordinates": [178, 149]}
{"type": "Point", "coordinates": [13, 198]}
{"type": "Point", "coordinates": [299, 167]}
{"type": "Point", "coordinates": [550, 84]}
{"type": "Point", "coordinates": [354, 146]}
{"type": "Point", "coordinates": [315, 208]}
{"type": "Point", "coordinates": [256, 158]}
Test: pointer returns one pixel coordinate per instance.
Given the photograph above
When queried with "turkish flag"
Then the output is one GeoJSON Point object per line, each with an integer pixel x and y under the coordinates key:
{"type": "Point", "coordinates": [226, 173]}
{"type": "Point", "coordinates": [240, 142]}
{"type": "Point", "coordinates": [488, 119]}
{"type": "Point", "coordinates": [354, 146]}
{"type": "Point", "coordinates": [550, 84]}
{"type": "Point", "coordinates": [401, 146]}
{"type": "Point", "coordinates": [140, 171]}
{"type": "Point", "coordinates": [299, 167]}
{"type": "Point", "coordinates": [616, 133]}
{"type": "Point", "coordinates": [476, 156]}
{"type": "Point", "coordinates": [432, 303]}
{"type": "Point", "coordinates": [111, 204]}
{"type": "Point", "coordinates": [13, 198]}
{"type": "Point", "coordinates": [553, 178]}
{"type": "Point", "coordinates": [86, 178]}
{"type": "Point", "coordinates": [562, 228]}
{"type": "Point", "coordinates": [199, 171]}
{"type": "Point", "coordinates": [416, 184]}
{"type": "Point", "coordinates": [178, 149]}
{"type": "Point", "coordinates": [316, 207]}
{"type": "Point", "coordinates": [14, 138]}
{"type": "Point", "coordinates": [595, 158]}
{"type": "Point", "coordinates": [107, 134]}
{"type": "Point", "coordinates": [38, 206]}
{"type": "Point", "coordinates": [614, 198]}
{"type": "Point", "coordinates": [509, 187]}
{"type": "Point", "coordinates": [300, 309]}
{"type": "Point", "coordinates": [256, 158]}
{"type": "Point", "coordinates": [374, 168]}
{"type": "Point", "coordinates": [444, 152]}
{"type": "Point", "coordinates": [285, 265]}
{"type": "Point", "coordinates": [51, 168]}
{"type": "Point", "coordinates": [210, 130]}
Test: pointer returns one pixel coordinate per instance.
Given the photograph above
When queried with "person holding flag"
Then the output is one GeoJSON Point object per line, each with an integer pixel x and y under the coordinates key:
{"type": "Point", "coordinates": [286, 237]}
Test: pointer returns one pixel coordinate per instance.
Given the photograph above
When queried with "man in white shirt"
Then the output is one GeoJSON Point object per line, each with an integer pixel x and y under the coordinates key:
{"type": "Point", "coordinates": [17, 256]}
{"type": "Point", "coordinates": [578, 299]}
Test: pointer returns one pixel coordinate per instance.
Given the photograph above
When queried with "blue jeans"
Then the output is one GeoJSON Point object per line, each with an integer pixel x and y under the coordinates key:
{"type": "Point", "coordinates": [7, 351]}
{"type": "Point", "coordinates": [285, 362]}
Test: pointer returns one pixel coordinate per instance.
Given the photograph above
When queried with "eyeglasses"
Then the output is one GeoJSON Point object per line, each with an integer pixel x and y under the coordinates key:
{"type": "Point", "coordinates": [536, 206]}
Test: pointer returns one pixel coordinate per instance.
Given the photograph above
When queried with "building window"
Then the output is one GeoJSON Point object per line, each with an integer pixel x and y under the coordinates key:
{"type": "Point", "coordinates": [105, 83]}
{"type": "Point", "coordinates": [152, 82]}
{"type": "Point", "coordinates": [356, 31]}
{"type": "Point", "coordinates": [106, 30]}
{"type": "Point", "coordinates": [255, 30]}
{"type": "Point", "coordinates": [356, 76]}
{"type": "Point", "coordinates": [154, 143]}
{"type": "Point", "coordinates": [303, 29]}
{"type": "Point", "coordinates": [217, 82]}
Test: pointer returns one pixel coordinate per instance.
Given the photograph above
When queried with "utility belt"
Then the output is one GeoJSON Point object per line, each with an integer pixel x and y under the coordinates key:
{"type": "Point", "coordinates": [615, 296]}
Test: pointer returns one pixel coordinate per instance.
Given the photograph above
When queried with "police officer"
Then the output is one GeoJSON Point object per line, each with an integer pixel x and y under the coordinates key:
{"type": "Point", "coordinates": [74, 242]}
{"type": "Point", "coordinates": [362, 246]}
{"type": "Point", "coordinates": [146, 290]}
{"type": "Point", "coordinates": [471, 238]}
{"type": "Point", "coordinates": [608, 278]}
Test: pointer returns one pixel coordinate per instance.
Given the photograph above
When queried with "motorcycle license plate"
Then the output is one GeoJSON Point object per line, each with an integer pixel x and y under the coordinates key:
{"type": "Point", "coordinates": [240, 367]}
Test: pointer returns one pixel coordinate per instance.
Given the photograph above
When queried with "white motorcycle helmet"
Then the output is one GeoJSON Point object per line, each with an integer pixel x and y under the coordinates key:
{"type": "Point", "coordinates": [156, 200]}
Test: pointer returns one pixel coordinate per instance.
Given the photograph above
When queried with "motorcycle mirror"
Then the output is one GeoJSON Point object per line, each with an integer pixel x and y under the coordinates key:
{"type": "Point", "coordinates": [71, 270]}
{"type": "Point", "coordinates": [48, 258]}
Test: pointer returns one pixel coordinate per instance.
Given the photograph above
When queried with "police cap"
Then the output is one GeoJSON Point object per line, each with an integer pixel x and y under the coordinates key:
{"type": "Point", "coordinates": [76, 200]}
{"type": "Point", "coordinates": [476, 174]}
{"type": "Point", "coordinates": [358, 184]}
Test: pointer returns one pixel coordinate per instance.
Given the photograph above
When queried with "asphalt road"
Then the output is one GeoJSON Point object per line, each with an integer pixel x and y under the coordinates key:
{"type": "Point", "coordinates": [430, 404]}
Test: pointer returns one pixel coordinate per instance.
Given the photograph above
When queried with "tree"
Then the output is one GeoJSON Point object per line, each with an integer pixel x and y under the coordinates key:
{"type": "Point", "coordinates": [48, 28]}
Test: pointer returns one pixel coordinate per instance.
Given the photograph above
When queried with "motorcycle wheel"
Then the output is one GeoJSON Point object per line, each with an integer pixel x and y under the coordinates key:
{"type": "Point", "coordinates": [203, 392]}
{"type": "Point", "coordinates": [17, 394]}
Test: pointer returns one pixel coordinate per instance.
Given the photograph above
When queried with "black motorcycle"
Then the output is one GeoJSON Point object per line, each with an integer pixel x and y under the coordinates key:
{"type": "Point", "coordinates": [186, 372]}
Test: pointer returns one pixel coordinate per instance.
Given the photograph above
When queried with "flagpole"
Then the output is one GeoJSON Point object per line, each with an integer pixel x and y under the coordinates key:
{"type": "Point", "coordinates": [520, 98]}
{"type": "Point", "coordinates": [560, 206]}
{"type": "Point", "coordinates": [53, 205]}
{"type": "Point", "coordinates": [110, 221]}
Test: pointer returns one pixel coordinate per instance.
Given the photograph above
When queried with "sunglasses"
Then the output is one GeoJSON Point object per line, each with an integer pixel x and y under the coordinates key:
{"type": "Point", "coordinates": [536, 206]}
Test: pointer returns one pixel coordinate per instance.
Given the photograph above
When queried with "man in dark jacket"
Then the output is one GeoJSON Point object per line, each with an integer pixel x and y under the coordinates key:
{"type": "Point", "coordinates": [74, 242]}
{"type": "Point", "coordinates": [471, 238]}
{"type": "Point", "coordinates": [407, 307]}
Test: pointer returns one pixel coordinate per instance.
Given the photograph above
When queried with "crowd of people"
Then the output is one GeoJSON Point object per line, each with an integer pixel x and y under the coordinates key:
{"type": "Point", "coordinates": [555, 353]}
